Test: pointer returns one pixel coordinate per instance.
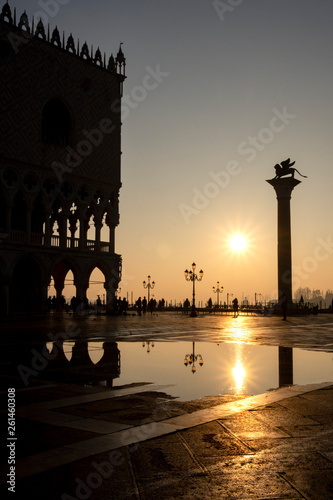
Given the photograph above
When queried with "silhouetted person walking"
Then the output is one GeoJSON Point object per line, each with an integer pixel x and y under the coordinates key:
{"type": "Point", "coordinates": [99, 305]}
{"type": "Point", "coordinates": [139, 305]}
{"type": "Point", "coordinates": [144, 305]}
{"type": "Point", "coordinates": [235, 306]}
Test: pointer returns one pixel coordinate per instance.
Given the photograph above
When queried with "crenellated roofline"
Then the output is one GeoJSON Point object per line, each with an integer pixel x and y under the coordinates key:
{"type": "Point", "coordinates": [115, 65]}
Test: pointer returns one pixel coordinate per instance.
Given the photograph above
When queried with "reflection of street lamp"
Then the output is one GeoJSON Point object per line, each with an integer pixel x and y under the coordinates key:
{"type": "Point", "coordinates": [191, 276]}
{"type": "Point", "coordinates": [149, 286]}
{"type": "Point", "coordinates": [148, 345]}
{"type": "Point", "coordinates": [217, 291]}
{"type": "Point", "coordinates": [192, 358]}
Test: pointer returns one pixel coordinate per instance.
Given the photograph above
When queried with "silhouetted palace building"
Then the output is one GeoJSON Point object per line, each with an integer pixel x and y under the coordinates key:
{"type": "Point", "coordinates": [59, 162]}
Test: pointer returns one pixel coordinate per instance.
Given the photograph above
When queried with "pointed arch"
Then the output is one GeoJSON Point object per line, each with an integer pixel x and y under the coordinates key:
{"type": "Point", "coordinates": [97, 275]}
{"type": "Point", "coordinates": [61, 267]}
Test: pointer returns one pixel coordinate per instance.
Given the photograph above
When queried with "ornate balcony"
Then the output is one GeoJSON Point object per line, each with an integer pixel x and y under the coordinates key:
{"type": "Point", "coordinates": [21, 237]}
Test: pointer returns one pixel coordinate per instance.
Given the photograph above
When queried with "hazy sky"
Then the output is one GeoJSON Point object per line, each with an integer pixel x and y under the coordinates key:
{"type": "Point", "coordinates": [240, 86]}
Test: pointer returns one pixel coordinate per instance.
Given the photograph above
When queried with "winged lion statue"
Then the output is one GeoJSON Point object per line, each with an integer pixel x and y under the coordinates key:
{"type": "Point", "coordinates": [285, 168]}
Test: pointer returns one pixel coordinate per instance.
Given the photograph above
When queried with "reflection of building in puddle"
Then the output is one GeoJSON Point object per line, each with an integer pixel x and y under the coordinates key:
{"type": "Point", "coordinates": [72, 363]}
{"type": "Point", "coordinates": [190, 359]}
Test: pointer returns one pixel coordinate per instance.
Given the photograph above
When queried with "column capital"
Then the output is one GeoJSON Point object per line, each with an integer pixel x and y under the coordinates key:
{"type": "Point", "coordinates": [283, 186]}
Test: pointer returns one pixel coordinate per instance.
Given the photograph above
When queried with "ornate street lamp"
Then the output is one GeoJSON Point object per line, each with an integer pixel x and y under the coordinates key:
{"type": "Point", "coordinates": [148, 345]}
{"type": "Point", "coordinates": [192, 276]}
{"type": "Point", "coordinates": [149, 286]}
{"type": "Point", "coordinates": [218, 290]}
{"type": "Point", "coordinates": [192, 358]}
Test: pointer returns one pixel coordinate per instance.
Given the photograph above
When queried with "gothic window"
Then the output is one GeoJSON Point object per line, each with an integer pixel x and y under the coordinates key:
{"type": "Point", "coordinates": [56, 123]}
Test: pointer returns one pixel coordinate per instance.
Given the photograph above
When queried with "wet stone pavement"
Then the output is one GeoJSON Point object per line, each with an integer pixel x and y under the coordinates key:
{"type": "Point", "coordinates": [137, 442]}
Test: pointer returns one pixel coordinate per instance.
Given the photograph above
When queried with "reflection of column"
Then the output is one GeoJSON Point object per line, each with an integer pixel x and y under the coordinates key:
{"type": "Point", "coordinates": [108, 367]}
{"type": "Point", "coordinates": [80, 355]}
{"type": "Point", "coordinates": [285, 366]}
{"type": "Point", "coordinates": [57, 355]}
{"type": "Point", "coordinates": [283, 188]}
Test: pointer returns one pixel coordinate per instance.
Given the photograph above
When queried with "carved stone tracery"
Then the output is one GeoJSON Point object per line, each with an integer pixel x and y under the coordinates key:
{"type": "Point", "coordinates": [116, 66]}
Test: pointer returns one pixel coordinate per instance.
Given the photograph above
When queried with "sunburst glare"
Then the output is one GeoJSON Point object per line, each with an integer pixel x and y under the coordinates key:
{"type": "Point", "coordinates": [239, 375]}
{"type": "Point", "coordinates": [238, 243]}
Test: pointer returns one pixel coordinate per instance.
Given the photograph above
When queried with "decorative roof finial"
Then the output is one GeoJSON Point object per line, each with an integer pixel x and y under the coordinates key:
{"type": "Point", "coordinates": [6, 13]}
{"type": "Point", "coordinates": [120, 56]}
{"type": "Point", "coordinates": [38, 30]}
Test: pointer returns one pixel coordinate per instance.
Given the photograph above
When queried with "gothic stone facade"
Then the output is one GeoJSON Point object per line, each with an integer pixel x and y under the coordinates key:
{"type": "Point", "coordinates": [59, 163]}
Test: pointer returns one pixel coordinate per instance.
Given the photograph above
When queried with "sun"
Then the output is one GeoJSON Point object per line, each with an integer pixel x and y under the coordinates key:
{"type": "Point", "coordinates": [238, 243]}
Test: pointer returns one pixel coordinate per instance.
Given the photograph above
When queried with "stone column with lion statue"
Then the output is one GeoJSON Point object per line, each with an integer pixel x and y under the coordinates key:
{"type": "Point", "coordinates": [283, 183]}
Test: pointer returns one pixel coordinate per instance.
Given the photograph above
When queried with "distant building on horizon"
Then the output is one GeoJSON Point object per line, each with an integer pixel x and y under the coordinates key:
{"type": "Point", "coordinates": [59, 163]}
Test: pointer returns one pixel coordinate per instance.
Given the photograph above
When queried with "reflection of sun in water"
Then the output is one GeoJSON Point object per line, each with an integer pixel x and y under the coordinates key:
{"type": "Point", "coordinates": [239, 375]}
{"type": "Point", "coordinates": [238, 243]}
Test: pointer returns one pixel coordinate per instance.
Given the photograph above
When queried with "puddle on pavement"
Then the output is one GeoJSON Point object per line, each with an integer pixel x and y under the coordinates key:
{"type": "Point", "coordinates": [194, 370]}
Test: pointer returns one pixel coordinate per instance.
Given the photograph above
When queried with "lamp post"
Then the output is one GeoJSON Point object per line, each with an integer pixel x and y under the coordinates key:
{"type": "Point", "coordinates": [149, 286]}
{"type": "Point", "coordinates": [192, 358]}
{"type": "Point", "coordinates": [192, 276]}
{"type": "Point", "coordinates": [148, 345]}
{"type": "Point", "coordinates": [218, 290]}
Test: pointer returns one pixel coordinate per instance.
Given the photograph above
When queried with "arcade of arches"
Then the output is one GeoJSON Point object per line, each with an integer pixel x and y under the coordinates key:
{"type": "Point", "coordinates": [44, 236]}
